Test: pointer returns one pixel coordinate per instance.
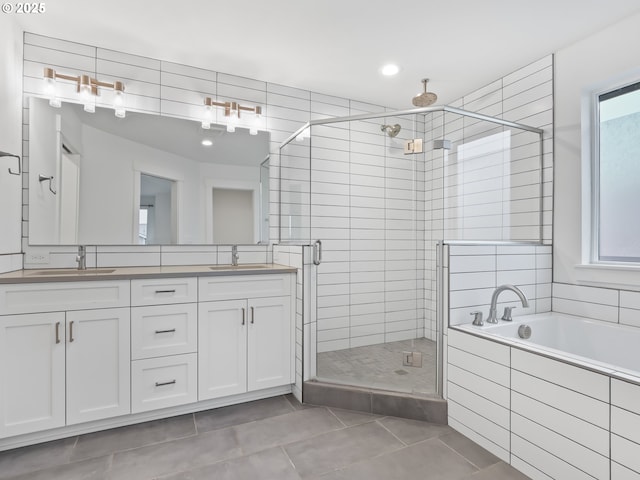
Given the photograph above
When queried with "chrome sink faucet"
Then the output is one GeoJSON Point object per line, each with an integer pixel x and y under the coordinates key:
{"type": "Point", "coordinates": [81, 258]}
{"type": "Point", "coordinates": [494, 300]}
{"type": "Point", "coordinates": [234, 255]}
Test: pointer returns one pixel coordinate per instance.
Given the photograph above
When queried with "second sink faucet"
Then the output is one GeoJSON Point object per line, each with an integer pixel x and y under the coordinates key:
{"type": "Point", "coordinates": [234, 255]}
{"type": "Point", "coordinates": [81, 258]}
{"type": "Point", "coordinates": [494, 300]}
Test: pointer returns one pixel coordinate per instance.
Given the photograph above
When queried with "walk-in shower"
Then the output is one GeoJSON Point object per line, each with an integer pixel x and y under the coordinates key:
{"type": "Point", "coordinates": [375, 318]}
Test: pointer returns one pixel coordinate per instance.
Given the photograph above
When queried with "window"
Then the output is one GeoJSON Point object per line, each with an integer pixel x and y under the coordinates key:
{"type": "Point", "coordinates": [616, 176]}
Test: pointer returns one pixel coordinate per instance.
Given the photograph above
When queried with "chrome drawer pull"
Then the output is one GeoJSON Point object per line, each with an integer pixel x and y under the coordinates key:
{"type": "Point", "coordinates": [71, 331]}
{"type": "Point", "coordinates": [166, 291]}
{"type": "Point", "coordinates": [252, 319]}
{"type": "Point", "coordinates": [243, 315]}
{"type": "Point", "coordinates": [57, 332]}
{"type": "Point", "coordinates": [162, 384]}
{"type": "Point", "coordinates": [173, 330]}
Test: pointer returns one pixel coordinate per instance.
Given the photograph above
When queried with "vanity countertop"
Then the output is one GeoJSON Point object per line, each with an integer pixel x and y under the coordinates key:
{"type": "Point", "coordinates": [129, 273]}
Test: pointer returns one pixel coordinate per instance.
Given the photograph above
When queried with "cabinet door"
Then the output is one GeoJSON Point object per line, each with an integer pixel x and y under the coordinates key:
{"type": "Point", "coordinates": [269, 339]}
{"type": "Point", "coordinates": [31, 373]}
{"type": "Point", "coordinates": [222, 348]}
{"type": "Point", "coordinates": [98, 364]}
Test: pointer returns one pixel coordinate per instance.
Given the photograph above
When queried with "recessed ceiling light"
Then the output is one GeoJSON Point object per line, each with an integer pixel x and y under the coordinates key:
{"type": "Point", "coordinates": [390, 69]}
{"type": "Point", "coordinates": [207, 143]}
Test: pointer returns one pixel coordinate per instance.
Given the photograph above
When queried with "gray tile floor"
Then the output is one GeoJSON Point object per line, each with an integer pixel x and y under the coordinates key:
{"type": "Point", "coordinates": [271, 439]}
{"type": "Point", "coordinates": [380, 366]}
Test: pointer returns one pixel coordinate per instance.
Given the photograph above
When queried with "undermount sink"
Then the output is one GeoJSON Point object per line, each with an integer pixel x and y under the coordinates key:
{"type": "Point", "coordinates": [89, 271]}
{"type": "Point", "coordinates": [237, 267]}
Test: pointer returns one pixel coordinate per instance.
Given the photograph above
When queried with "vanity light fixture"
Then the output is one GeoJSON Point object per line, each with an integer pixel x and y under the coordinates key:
{"type": "Point", "coordinates": [87, 87]}
{"type": "Point", "coordinates": [232, 112]}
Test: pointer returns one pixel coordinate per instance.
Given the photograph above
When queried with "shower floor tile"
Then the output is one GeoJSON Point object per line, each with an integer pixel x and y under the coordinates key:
{"type": "Point", "coordinates": [380, 366]}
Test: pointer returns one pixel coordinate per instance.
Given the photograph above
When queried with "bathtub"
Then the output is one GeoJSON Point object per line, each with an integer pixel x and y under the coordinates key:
{"type": "Point", "coordinates": [559, 404]}
{"type": "Point", "coordinates": [605, 347]}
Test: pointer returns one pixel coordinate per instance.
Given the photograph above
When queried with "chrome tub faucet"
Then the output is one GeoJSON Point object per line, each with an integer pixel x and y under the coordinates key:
{"type": "Point", "coordinates": [494, 301]}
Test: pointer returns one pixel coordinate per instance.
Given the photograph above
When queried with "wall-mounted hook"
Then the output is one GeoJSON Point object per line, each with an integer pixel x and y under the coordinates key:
{"type": "Point", "coordinates": [5, 154]}
{"type": "Point", "coordinates": [44, 178]}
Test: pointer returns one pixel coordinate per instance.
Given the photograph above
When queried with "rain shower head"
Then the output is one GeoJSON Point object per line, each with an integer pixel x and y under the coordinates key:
{"type": "Point", "coordinates": [392, 130]}
{"type": "Point", "coordinates": [425, 98]}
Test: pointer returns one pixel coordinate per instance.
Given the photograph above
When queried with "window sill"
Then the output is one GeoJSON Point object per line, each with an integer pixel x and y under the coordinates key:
{"type": "Point", "coordinates": [624, 277]}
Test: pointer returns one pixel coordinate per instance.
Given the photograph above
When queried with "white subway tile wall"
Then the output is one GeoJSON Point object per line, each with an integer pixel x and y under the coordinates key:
{"type": "Point", "coordinates": [476, 270]}
{"type": "Point", "coordinates": [545, 417]}
{"type": "Point", "coordinates": [293, 256]}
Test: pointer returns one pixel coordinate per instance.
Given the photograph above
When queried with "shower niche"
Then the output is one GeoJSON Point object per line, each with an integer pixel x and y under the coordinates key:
{"type": "Point", "coordinates": [380, 212]}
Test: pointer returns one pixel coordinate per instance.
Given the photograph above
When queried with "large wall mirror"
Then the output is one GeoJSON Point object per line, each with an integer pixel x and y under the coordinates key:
{"type": "Point", "coordinates": [145, 179]}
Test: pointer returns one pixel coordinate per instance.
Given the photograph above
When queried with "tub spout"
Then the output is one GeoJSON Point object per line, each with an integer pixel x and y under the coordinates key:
{"type": "Point", "coordinates": [494, 300]}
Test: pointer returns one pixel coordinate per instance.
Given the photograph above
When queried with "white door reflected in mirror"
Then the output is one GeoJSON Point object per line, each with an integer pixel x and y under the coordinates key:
{"type": "Point", "coordinates": [233, 216]}
{"type": "Point", "coordinates": [157, 216]}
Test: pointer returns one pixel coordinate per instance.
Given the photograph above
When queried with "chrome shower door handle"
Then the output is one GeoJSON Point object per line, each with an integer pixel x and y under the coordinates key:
{"type": "Point", "coordinates": [317, 252]}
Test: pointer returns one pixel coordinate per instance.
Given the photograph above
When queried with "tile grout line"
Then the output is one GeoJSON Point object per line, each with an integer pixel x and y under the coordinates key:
{"type": "Point", "coordinates": [393, 434]}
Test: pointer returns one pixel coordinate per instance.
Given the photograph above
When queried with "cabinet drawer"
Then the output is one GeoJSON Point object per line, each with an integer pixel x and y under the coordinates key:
{"type": "Point", "coordinates": [48, 297]}
{"type": "Point", "coordinates": [160, 291]}
{"type": "Point", "coordinates": [234, 287]}
{"type": "Point", "coordinates": [164, 382]}
{"type": "Point", "coordinates": [161, 330]}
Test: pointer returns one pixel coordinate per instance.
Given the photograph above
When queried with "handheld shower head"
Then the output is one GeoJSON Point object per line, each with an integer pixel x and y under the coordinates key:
{"type": "Point", "coordinates": [425, 98]}
{"type": "Point", "coordinates": [392, 130]}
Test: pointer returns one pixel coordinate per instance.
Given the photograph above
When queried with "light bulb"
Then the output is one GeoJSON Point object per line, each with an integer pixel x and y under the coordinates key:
{"type": "Point", "coordinates": [50, 89]}
{"type": "Point", "coordinates": [118, 94]}
{"type": "Point", "coordinates": [255, 124]}
{"type": "Point", "coordinates": [85, 87]}
{"type": "Point", "coordinates": [49, 86]}
{"type": "Point", "coordinates": [85, 94]}
{"type": "Point", "coordinates": [208, 116]}
{"type": "Point", "coordinates": [232, 119]}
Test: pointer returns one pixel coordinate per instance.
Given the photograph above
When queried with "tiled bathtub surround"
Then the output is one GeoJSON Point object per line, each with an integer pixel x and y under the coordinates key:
{"type": "Point", "coordinates": [606, 304]}
{"type": "Point", "coordinates": [547, 418]}
{"type": "Point", "coordinates": [474, 271]}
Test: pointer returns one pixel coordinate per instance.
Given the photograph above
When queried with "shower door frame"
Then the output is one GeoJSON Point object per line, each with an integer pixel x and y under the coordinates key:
{"type": "Point", "coordinates": [440, 300]}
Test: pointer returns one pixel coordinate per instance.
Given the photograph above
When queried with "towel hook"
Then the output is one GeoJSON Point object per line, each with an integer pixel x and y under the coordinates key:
{"type": "Point", "coordinates": [5, 154]}
{"type": "Point", "coordinates": [44, 178]}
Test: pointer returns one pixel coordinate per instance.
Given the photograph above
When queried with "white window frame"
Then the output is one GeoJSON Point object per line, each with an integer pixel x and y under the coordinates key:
{"type": "Point", "coordinates": [595, 179]}
{"type": "Point", "coordinates": [592, 271]}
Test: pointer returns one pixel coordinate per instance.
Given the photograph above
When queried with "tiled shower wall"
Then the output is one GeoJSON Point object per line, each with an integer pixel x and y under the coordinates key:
{"type": "Point", "coordinates": [367, 209]}
{"type": "Point", "coordinates": [341, 186]}
{"type": "Point", "coordinates": [454, 205]}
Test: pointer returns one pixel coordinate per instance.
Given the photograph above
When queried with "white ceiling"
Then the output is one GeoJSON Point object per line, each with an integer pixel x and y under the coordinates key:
{"type": "Point", "coordinates": [336, 47]}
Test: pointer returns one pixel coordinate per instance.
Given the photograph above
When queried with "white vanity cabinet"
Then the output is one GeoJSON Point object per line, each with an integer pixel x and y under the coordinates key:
{"type": "Point", "coordinates": [164, 343]}
{"type": "Point", "coordinates": [84, 355]}
{"type": "Point", "coordinates": [67, 366]}
{"type": "Point", "coordinates": [32, 373]}
{"type": "Point", "coordinates": [98, 360]}
{"type": "Point", "coordinates": [244, 334]}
